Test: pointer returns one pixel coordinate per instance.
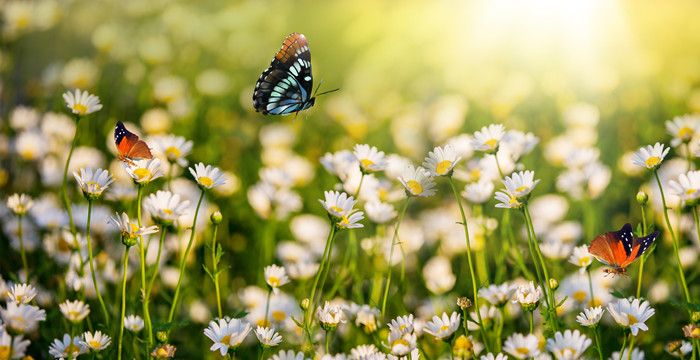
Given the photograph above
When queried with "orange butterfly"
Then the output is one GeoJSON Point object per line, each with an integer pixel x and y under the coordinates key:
{"type": "Point", "coordinates": [129, 146]}
{"type": "Point", "coordinates": [619, 249]}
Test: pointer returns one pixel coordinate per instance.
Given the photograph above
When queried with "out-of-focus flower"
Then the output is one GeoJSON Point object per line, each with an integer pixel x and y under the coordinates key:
{"type": "Point", "coordinates": [649, 156]}
{"type": "Point", "coordinates": [288, 355]}
{"type": "Point", "coordinates": [478, 192]}
{"type": "Point", "coordinates": [165, 207]}
{"type": "Point", "coordinates": [417, 181]}
{"type": "Point", "coordinates": [20, 204]}
{"type": "Point", "coordinates": [682, 129]}
{"type": "Point", "coordinates": [175, 148]}
{"type": "Point", "coordinates": [488, 138]}
{"type": "Point", "coordinates": [590, 316]}
{"type": "Point", "coordinates": [208, 176]}
{"type": "Point", "coordinates": [67, 348]}
{"type": "Point", "coordinates": [569, 345]}
{"type": "Point", "coordinates": [438, 276]}
{"type": "Point", "coordinates": [679, 348]}
{"type": "Point", "coordinates": [275, 277]}
{"type": "Point", "coordinates": [96, 341]}
{"type": "Point", "coordinates": [330, 316]}
{"type": "Point", "coordinates": [631, 314]}
{"type": "Point", "coordinates": [581, 257]}
{"type": "Point", "coordinates": [490, 356]}
{"type": "Point", "coordinates": [637, 354]}
{"type": "Point", "coordinates": [522, 346]}
{"type": "Point", "coordinates": [133, 323]}
{"type": "Point", "coordinates": [268, 337]}
{"type": "Point", "coordinates": [21, 318]}
{"type": "Point", "coordinates": [93, 182]}
{"type": "Point", "coordinates": [30, 145]}
{"type": "Point", "coordinates": [22, 293]}
{"type": "Point", "coordinates": [370, 159]}
{"type": "Point", "coordinates": [687, 187]}
{"type": "Point", "coordinates": [144, 171]}
{"type": "Point", "coordinates": [441, 161]}
{"type": "Point", "coordinates": [498, 295]}
{"type": "Point", "coordinates": [75, 311]}
{"type": "Point", "coordinates": [24, 118]}
{"type": "Point", "coordinates": [379, 212]}
{"type": "Point", "coordinates": [212, 82]}
{"type": "Point", "coordinates": [79, 73]}
{"type": "Point", "coordinates": [226, 333]}
{"type": "Point", "coordinates": [442, 327]}
{"type": "Point", "coordinates": [82, 102]}
{"type": "Point", "coordinates": [164, 351]}
{"type": "Point", "coordinates": [156, 121]}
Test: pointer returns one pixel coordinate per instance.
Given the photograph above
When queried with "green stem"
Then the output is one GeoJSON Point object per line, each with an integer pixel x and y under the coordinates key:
{"type": "Point", "coordinates": [590, 285]}
{"type": "Point", "coordinates": [267, 308]}
{"type": "Point", "coordinates": [470, 263]}
{"type": "Point", "coordinates": [624, 346]}
{"type": "Point", "coordinates": [312, 298]}
{"type": "Point", "coordinates": [64, 184]}
{"type": "Point", "coordinates": [681, 275]}
{"type": "Point", "coordinates": [184, 259]}
{"type": "Point", "coordinates": [391, 254]}
{"type": "Point", "coordinates": [22, 251]}
{"type": "Point", "coordinates": [142, 258]}
{"type": "Point", "coordinates": [328, 341]}
{"type": "Point", "coordinates": [598, 345]}
{"type": "Point", "coordinates": [640, 271]}
{"type": "Point", "coordinates": [154, 275]}
{"type": "Point", "coordinates": [125, 264]}
{"type": "Point", "coordinates": [92, 266]}
{"type": "Point", "coordinates": [215, 266]}
{"type": "Point", "coordinates": [532, 320]}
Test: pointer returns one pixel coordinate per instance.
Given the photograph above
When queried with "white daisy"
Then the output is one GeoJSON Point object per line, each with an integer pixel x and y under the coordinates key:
{"type": "Point", "coordinates": [22, 318]}
{"type": "Point", "coordinates": [581, 257]}
{"type": "Point", "coordinates": [649, 156]}
{"type": "Point", "coordinates": [528, 296]}
{"type": "Point", "coordinates": [144, 171]}
{"type": "Point", "coordinates": [637, 354]}
{"type": "Point", "coordinates": [417, 181]}
{"type": "Point", "coordinates": [441, 161]}
{"type": "Point", "coordinates": [96, 341]}
{"type": "Point", "coordinates": [174, 148]}
{"type": "Point", "coordinates": [93, 182]}
{"type": "Point", "coordinates": [380, 212]}
{"type": "Point", "coordinates": [22, 293]}
{"type": "Point", "coordinates": [67, 348]}
{"type": "Point", "coordinates": [489, 315]}
{"type": "Point", "coordinates": [507, 201]}
{"type": "Point", "coordinates": [20, 204]}
{"type": "Point", "coordinates": [81, 102]}
{"type": "Point", "coordinates": [443, 327]}
{"type": "Point", "coordinates": [330, 315]}
{"type": "Point", "coordinates": [226, 333]}
{"type": "Point", "coordinates": [17, 343]}
{"type": "Point", "coordinates": [522, 346]}
{"type": "Point", "coordinates": [370, 159]}
{"type": "Point", "coordinates": [133, 323]}
{"type": "Point", "coordinates": [275, 276]}
{"type": "Point", "coordinates": [165, 207]}
{"type": "Point", "coordinates": [401, 343]}
{"type": "Point", "coordinates": [74, 311]}
{"type": "Point", "coordinates": [339, 163]}
{"type": "Point", "coordinates": [207, 176]}
{"type": "Point", "coordinates": [590, 317]}
{"type": "Point", "coordinates": [337, 204]}
{"type": "Point", "coordinates": [478, 192]}
{"type": "Point", "coordinates": [403, 324]}
{"type": "Point", "coordinates": [364, 352]}
{"type": "Point", "coordinates": [498, 295]}
{"type": "Point", "coordinates": [520, 184]}
{"type": "Point", "coordinates": [267, 336]}
{"type": "Point", "coordinates": [682, 128]}
{"type": "Point", "coordinates": [130, 230]}
{"type": "Point", "coordinates": [568, 346]}
{"type": "Point", "coordinates": [631, 314]}
{"type": "Point", "coordinates": [687, 188]}
{"type": "Point", "coordinates": [488, 138]}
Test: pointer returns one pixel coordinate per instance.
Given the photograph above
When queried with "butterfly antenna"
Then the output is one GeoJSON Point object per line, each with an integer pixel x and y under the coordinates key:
{"type": "Point", "coordinates": [316, 93]}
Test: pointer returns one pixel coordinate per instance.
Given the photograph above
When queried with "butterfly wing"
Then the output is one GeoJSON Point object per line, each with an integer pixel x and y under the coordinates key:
{"type": "Point", "coordinates": [602, 248]}
{"type": "Point", "coordinates": [620, 248]}
{"type": "Point", "coordinates": [140, 150]}
{"type": "Point", "coordinates": [286, 85]}
{"type": "Point", "coordinates": [129, 145]}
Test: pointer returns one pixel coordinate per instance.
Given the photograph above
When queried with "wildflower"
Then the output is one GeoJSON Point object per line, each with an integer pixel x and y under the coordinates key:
{"type": "Point", "coordinates": [17, 343]}
{"type": "Point", "coordinates": [590, 317]}
{"type": "Point", "coordinates": [522, 346]}
{"type": "Point", "coordinates": [93, 182]}
{"type": "Point", "coordinates": [31, 145]}
{"type": "Point", "coordinates": [366, 317]}
{"type": "Point", "coordinates": [682, 129]}
{"type": "Point", "coordinates": [75, 311]}
{"type": "Point", "coordinates": [133, 323]}
{"type": "Point", "coordinates": [144, 171]}
{"type": "Point", "coordinates": [497, 295]}
{"type": "Point", "coordinates": [631, 314]}
{"type": "Point", "coordinates": [489, 314]}
{"type": "Point", "coordinates": [520, 184]}
{"type": "Point", "coordinates": [352, 221]}
{"type": "Point", "coordinates": [528, 296]}
{"type": "Point", "coordinates": [649, 156]}
{"type": "Point", "coordinates": [490, 356]}
{"type": "Point", "coordinates": [174, 148]}
{"type": "Point", "coordinates": [691, 331]}
{"type": "Point", "coordinates": [370, 159]}
{"type": "Point", "coordinates": [581, 257]}
{"type": "Point", "coordinates": [275, 276]}
{"type": "Point", "coordinates": [337, 204]}
{"type": "Point", "coordinates": [339, 163]}
{"type": "Point", "coordinates": [164, 351]}
{"type": "Point", "coordinates": [364, 352]}
{"type": "Point", "coordinates": [165, 207]}
{"type": "Point", "coordinates": [443, 327]}
{"type": "Point", "coordinates": [380, 212]}
{"type": "Point", "coordinates": [464, 303]}
{"type": "Point", "coordinates": [401, 343]}
{"type": "Point", "coordinates": [267, 336]}
{"type": "Point", "coordinates": [637, 354]}
{"type": "Point", "coordinates": [96, 341]}
{"type": "Point", "coordinates": [507, 201]}
{"type": "Point", "coordinates": [569, 346]}
{"type": "Point", "coordinates": [207, 177]}
{"type": "Point", "coordinates": [438, 276]}
{"type": "Point", "coordinates": [20, 204]}
{"type": "Point", "coordinates": [129, 231]}
{"type": "Point", "coordinates": [687, 188]}
{"type": "Point", "coordinates": [81, 102]}
{"type": "Point", "coordinates": [417, 181]}
{"type": "Point", "coordinates": [441, 161]}
{"type": "Point", "coordinates": [679, 348]}
{"type": "Point", "coordinates": [226, 333]}
{"type": "Point", "coordinates": [22, 293]}
{"type": "Point", "coordinates": [464, 347]}
{"type": "Point", "coordinates": [67, 348]}
{"type": "Point", "coordinates": [488, 138]}
{"type": "Point", "coordinates": [478, 192]}
{"type": "Point", "coordinates": [21, 318]}
{"type": "Point", "coordinates": [402, 324]}
{"type": "Point", "coordinates": [288, 355]}
{"type": "Point", "coordinates": [329, 316]}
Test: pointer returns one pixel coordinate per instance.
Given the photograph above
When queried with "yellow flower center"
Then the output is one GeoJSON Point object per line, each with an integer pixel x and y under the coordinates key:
{"type": "Point", "coordinates": [279, 315]}
{"type": "Point", "coordinates": [142, 173]}
{"type": "Point", "coordinates": [226, 339]}
{"type": "Point", "coordinates": [205, 181]}
{"type": "Point", "coordinates": [584, 260]}
{"type": "Point", "coordinates": [72, 349]}
{"type": "Point", "coordinates": [172, 152]}
{"type": "Point", "coordinates": [631, 319]}
{"type": "Point", "coordinates": [521, 188]}
{"type": "Point", "coordinates": [491, 143]}
{"type": "Point", "coordinates": [685, 133]}
{"type": "Point", "coordinates": [93, 186]}
{"type": "Point", "coordinates": [366, 163]}
{"type": "Point", "coordinates": [474, 174]}
{"type": "Point", "coordinates": [444, 328]}
{"type": "Point", "coordinates": [27, 154]}
{"type": "Point", "coordinates": [400, 342]}
{"type": "Point", "coordinates": [383, 194]}
{"type": "Point", "coordinates": [161, 352]}
{"type": "Point", "coordinates": [344, 221]}
{"type": "Point", "coordinates": [522, 350]}
{"type": "Point", "coordinates": [263, 323]}
{"type": "Point", "coordinates": [336, 209]}
{"type": "Point", "coordinates": [443, 167]}
{"type": "Point", "coordinates": [18, 298]}
{"type": "Point", "coordinates": [273, 281]}
{"type": "Point", "coordinates": [695, 333]}
{"type": "Point", "coordinates": [652, 161]}
{"type": "Point", "coordinates": [73, 314]}
{"type": "Point", "coordinates": [134, 228]}
{"type": "Point", "coordinates": [4, 352]}
{"type": "Point", "coordinates": [94, 344]}
{"type": "Point", "coordinates": [580, 296]}
{"type": "Point", "coordinates": [414, 187]}
{"type": "Point", "coordinates": [513, 200]}
{"type": "Point", "coordinates": [80, 108]}
{"type": "Point", "coordinates": [168, 211]}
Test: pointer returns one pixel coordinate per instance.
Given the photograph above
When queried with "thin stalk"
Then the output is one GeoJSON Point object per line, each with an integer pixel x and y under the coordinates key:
{"type": "Point", "coordinates": [267, 307]}
{"type": "Point", "coordinates": [154, 275]}
{"type": "Point", "coordinates": [640, 271]}
{"type": "Point", "coordinates": [596, 337]}
{"type": "Point", "coordinates": [681, 275]}
{"type": "Point", "coordinates": [215, 266]}
{"type": "Point", "coordinates": [142, 259]}
{"type": "Point", "coordinates": [328, 341]}
{"type": "Point", "coordinates": [184, 259]}
{"type": "Point", "coordinates": [532, 320]}
{"type": "Point", "coordinates": [391, 254]}
{"type": "Point", "coordinates": [22, 251]}
{"type": "Point", "coordinates": [64, 184]}
{"type": "Point", "coordinates": [125, 264]}
{"type": "Point", "coordinates": [470, 263]}
{"type": "Point", "coordinates": [312, 301]}
{"type": "Point", "coordinates": [92, 266]}
{"type": "Point", "coordinates": [624, 346]}
{"type": "Point", "coordinates": [590, 285]}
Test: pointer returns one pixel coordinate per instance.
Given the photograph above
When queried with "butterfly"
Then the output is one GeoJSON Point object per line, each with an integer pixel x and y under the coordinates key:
{"type": "Point", "coordinates": [619, 249]}
{"type": "Point", "coordinates": [286, 86]}
{"type": "Point", "coordinates": [129, 147]}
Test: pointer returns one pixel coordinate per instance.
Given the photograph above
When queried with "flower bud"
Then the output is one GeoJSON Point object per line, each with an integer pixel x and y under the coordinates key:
{"type": "Point", "coordinates": [129, 240]}
{"type": "Point", "coordinates": [464, 303]}
{"type": "Point", "coordinates": [305, 303]}
{"type": "Point", "coordinates": [553, 284]}
{"type": "Point", "coordinates": [162, 336]}
{"type": "Point", "coordinates": [216, 218]}
{"type": "Point", "coordinates": [695, 316]}
{"type": "Point", "coordinates": [642, 198]}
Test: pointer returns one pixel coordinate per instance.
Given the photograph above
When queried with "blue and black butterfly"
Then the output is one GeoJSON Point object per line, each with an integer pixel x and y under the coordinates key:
{"type": "Point", "coordinates": [286, 86]}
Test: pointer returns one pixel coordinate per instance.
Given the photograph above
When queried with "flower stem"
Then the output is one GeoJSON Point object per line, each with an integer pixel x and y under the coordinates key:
{"type": "Point", "coordinates": [681, 275]}
{"type": "Point", "coordinates": [154, 275]}
{"type": "Point", "coordinates": [596, 337]}
{"type": "Point", "coordinates": [328, 341]}
{"type": "Point", "coordinates": [391, 254]}
{"type": "Point", "coordinates": [92, 266]}
{"type": "Point", "coordinates": [590, 285]}
{"type": "Point", "coordinates": [142, 258]}
{"type": "Point", "coordinates": [22, 251]}
{"type": "Point", "coordinates": [64, 184]}
{"type": "Point", "coordinates": [640, 271]}
{"type": "Point", "coordinates": [312, 298]}
{"type": "Point", "coordinates": [183, 259]}
{"type": "Point", "coordinates": [215, 267]}
{"type": "Point", "coordinates": [470, 263]}
{"type": "Point", "coordinates": [125, 264]}
{"type": "Point", "coordinates": [532, 320]}
{"type": "Point", "coordinates": [624, 346]}
{"type": "Point", "coordinates": [267, 308]}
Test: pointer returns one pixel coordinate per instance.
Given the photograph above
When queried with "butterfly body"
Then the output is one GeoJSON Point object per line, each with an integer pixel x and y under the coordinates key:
{"type": "Point", "coordinates": [285, 87]}
{"type": "Point", "coordinates": [619, 249]}
{"type": "Point", "coordinates": [129, 146]}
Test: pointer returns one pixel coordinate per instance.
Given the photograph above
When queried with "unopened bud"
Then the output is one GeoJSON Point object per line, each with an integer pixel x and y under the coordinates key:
{"type": "Point", "coordinates": [695, 316]}
{"type": "Point", "coordinates": [216, 218]}
{"type": "Point", "coordinates": [464, 303]}
{"type": "Point", "coordinates": [305, 303]}
{"type": "Point", "coordinates": [553, 284]}
{"type": "Point", "coordinates": [642, 198]}
{"type": "Point", "coordinates": [162, 336]}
